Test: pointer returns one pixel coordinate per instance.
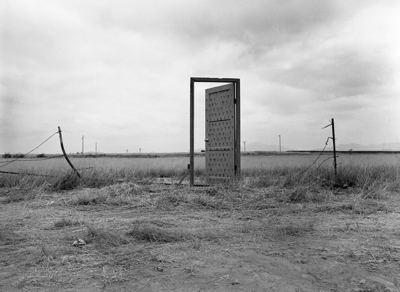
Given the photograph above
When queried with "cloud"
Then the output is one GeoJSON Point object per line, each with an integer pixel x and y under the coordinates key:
{"type": "Point", "coordinates": [338, 72]}
{"type": "Point", "coordinates": [121, 69]}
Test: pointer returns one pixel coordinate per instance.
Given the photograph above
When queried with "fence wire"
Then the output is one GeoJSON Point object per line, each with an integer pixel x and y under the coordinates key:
{"type": "Point", "coordinates": [322, 151]}
{"type": "Point", "coordinates": [11, 161]}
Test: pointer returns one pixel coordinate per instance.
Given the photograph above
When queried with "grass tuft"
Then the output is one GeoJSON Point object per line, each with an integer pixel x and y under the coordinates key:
{"type": "Point", "coordinates": [370, 206]}
{"type": "Point", "coordinates": [68, 181]}
{"type": "Point", "coordinates": [145, 232]}
{"type": "Point", "coordinates": [296, 229]}
{"type": "Point", "coordinates": [9, 237]}
{"type": "Point", "coordinates": [18, 195]}
{"type": "Point", "coordinates": [66, 223]}
{"type": "Point", "coordinates": [103, 238]}
{"type": "Point", "coordinates": [172, 200]}
{"type": "Point", "coordinates": [89, 199]}
{"type": "Point", "coordinates": [118, 195]}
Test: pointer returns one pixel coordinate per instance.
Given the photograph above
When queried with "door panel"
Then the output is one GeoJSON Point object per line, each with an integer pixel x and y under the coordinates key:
{"type": "Point", "coordinates": [220, 133]}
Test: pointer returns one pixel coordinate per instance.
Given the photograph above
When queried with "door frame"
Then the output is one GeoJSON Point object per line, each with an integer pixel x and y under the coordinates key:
{"type": "Point", "coordinates": [236, 83]}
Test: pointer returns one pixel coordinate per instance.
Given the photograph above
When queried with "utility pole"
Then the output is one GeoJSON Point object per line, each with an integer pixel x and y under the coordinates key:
{"type": "Point", "coordinates": [95, 151]}
{"type": "Point", "coordinates": [83, 143]}
{"type": "Point", "coordinates": [244, 143]}
{"type": "Point", "coordinates": [280, 147]}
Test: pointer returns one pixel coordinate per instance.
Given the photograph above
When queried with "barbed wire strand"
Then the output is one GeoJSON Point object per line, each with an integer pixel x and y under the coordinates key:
{"type": "Point", "coordinates": [323, 162]}
{"type": "Point", "coordinates": [326, 143]}
{"type": "Point", "coordinates": [30, 151]}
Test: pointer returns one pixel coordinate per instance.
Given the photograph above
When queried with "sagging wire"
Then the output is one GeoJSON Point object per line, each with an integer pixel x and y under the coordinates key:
{"type": "Point", "coordinates": [326, 143]}
{"type": "Point", "coordinates": [30, 151]}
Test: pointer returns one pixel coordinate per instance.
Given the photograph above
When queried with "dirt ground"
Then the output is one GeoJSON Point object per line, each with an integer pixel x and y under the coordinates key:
{"type": "Point", "coordinates": [160, 237]}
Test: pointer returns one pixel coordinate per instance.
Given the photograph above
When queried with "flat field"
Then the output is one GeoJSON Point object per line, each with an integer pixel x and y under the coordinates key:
{"type": "Point", "coordinates": [143, 163]}
{"type": "Point", "coordinates": [286, 225]}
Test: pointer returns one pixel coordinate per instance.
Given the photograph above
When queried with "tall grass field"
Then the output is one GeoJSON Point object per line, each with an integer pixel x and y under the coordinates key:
{"type": "Point", "coordinates": [353, 170]}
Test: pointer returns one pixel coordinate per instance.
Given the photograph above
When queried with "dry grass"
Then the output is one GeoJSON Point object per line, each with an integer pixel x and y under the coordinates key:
{"type": "Point", "coordinates": [103, 238]}
{"type": "Point", "coordinates": [66, 223]}
{"type": "Point", "coordinates": [150, 233]}
{"type": "Point", "coordinates": [138, 231]}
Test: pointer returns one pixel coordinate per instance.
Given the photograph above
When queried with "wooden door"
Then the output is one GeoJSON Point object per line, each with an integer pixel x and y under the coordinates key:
{"type": "Point", "coordinates": [220, 134]}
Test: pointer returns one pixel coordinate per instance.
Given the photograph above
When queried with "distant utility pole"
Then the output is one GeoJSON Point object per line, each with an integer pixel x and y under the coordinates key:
{"type": "Point", "coordinates": [244, 143]}
{"type": "Point", "coordinates": [95, 151]}
{"type": "Point", "coordinates": [83, 143]}
{"type": "Point", "coordinates": [280, 147]}
{"type": "Point", "coordinates": [140, 150]}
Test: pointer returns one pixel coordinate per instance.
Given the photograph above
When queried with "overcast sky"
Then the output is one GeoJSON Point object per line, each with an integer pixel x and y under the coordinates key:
{"type": "Point", "coordinates": [118, 72]}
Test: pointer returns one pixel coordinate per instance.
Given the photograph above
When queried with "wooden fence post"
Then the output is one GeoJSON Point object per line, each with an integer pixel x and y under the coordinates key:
{"type": "Point", "coordinates": [65, 154]}
{"type": "Point", "coordinates": [334, 146]}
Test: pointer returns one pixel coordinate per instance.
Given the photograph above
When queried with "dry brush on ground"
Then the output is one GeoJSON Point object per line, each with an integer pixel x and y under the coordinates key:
{"type": "Point", "coordinates": [282, 229]}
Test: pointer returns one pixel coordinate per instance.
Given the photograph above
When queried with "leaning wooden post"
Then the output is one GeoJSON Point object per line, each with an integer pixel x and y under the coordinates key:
{"type": "Point", "coordinates": [65, 154]}
{"type": "Point", "coordinates": [334, 146]}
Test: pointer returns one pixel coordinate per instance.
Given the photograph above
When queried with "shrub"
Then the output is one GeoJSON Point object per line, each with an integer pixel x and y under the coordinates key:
{"type": "Point", "coordinates": [6, 155]}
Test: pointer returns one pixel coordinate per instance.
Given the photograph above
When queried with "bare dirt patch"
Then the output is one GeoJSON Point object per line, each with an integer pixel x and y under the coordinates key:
{"type": "Point", "coordinates": [174, 238]}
